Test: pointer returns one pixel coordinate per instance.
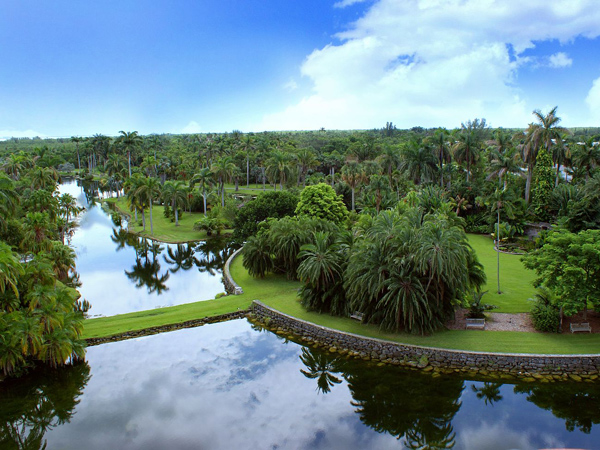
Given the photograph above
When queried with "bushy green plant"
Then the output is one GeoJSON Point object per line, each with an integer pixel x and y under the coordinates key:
{"type": "Point", "coordinates": [476, 308]}
{"type": "Point", "coordinates": [545, 315]}
{"type": "Point", "coordinates": [271, 204]}
{"type": "Point", "coordinates": [321, 201]}
{"type": "Point", "coordinates": [210, 225]}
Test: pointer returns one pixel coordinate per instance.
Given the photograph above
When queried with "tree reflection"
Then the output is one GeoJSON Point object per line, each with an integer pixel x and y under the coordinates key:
{"type": "Point", "coordinates": [146, 270]}
{"type": "Point", "coordinates": [182, 257]}
{"type": "Point", "coordinates": [489, 392]}
{"type": "Point", "coordinates": [212, 254]}
{"type": "Point", "coordinates": [32, 405]}
{"type": "Point", "coordinates": [321, 367]}
{"type": "Point", "coordinates": [576, 403]}
{"type": "Point", "coordinates": [405, 404]}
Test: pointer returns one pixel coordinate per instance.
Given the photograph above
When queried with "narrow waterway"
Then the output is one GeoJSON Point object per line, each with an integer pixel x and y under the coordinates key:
{"type": "Point", "coordinates": [120, 272]}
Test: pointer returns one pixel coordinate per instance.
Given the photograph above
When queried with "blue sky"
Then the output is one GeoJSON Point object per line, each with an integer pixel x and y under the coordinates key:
{"type": "Point", "coordinates": [80, 68]}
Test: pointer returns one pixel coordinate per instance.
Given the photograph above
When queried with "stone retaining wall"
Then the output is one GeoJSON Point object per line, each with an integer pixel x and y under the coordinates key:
{"type": "Point", "coordinates": [164, 328]}
{"type": "Point", "coordinates": [231, 286]}
{"type": "Point", "coordinates": [523, 366]}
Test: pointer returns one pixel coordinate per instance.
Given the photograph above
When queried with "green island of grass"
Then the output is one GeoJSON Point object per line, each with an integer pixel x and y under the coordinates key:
{"type": "Point", "coordinates": [279, 293]}
{"type": "Point", "coordinates": [164, 229]}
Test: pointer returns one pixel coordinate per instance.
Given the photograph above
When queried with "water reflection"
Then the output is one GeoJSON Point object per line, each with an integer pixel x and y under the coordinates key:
{"type": "Point", "coordinates": [121, 272]}
{"type": "Point", "coordinates": [43, 400]}
{"type": "Point", "coordinates": [230, 386]}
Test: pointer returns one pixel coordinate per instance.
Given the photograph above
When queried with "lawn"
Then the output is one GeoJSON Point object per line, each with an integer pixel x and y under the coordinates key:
{"type": "Point", "coordinates": [515, 281]}
{"type": "Point", "coordinates": [164, 229]}
{"type": "Point", "coordinates": [280, 294]}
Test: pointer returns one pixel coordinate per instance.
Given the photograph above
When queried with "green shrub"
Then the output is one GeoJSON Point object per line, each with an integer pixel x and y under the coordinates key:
{"type": "Point", "coordinates": [545, 318]}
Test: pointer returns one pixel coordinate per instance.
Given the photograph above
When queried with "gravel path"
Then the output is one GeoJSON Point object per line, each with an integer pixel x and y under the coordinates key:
{"type": "Point", "coordinates": [496, 322]}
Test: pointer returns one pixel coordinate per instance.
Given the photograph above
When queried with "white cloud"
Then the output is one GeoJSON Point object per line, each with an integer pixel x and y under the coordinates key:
{"type": "Point", "coordinates": [432, 62]}
{"type": "Point", "coordinates": [291, 85]}
{"type": "Point", "coordinates": [344, 3]}
{"type": "Point", "coordinates": [560, 60]}
{"type": "Point", "coordinates": [192, 127]}
{"type": "Point", "coordinates": [6, 134]}
{"type": "Point", "coordinates": [593, 101]}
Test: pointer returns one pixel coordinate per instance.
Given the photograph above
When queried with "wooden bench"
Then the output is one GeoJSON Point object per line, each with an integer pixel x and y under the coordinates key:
{"type": "Point", "coordinates": [575, 327]}
{"type": "Point", "coordinates": [357, 316]}
{"type": "Point", "coordinates": [477, 324]}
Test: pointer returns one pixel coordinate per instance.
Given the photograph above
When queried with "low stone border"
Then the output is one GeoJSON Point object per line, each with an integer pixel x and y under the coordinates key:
{"type": "Point", "coordinates": [503, 365]}
{"type": "Point", "coordinates": [164, 328]}
{"type": "Point", "coordinates": [231, 287]}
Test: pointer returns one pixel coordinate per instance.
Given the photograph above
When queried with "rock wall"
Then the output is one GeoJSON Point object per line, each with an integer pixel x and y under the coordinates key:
{"type": "Point", "coordinates": [231, 286]}
{"type": "Point", "coordinates": [522, 366]}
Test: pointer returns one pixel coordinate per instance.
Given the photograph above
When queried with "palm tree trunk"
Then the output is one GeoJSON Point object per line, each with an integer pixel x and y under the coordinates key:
{"type": "Point", "coordinates": [498, 249]}
{"type": "Point", "coordinates": [557, 173]}
{"type": "Point", "coordinates": [247, 171]}
{"type": "Point", "coordinates": [352, 198]}
{"type": "Point", "coordinates": [528, 183]}
{"type": "Point", "coordinates": [204, 198]}
{"type": "Point", "coordinates": [129, 162]}
{"type": "Point", "coordinates": [151, 224]}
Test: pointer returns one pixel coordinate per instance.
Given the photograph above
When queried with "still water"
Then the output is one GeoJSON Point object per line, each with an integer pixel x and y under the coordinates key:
{"type": "Point", "coordinates": [122, 273]}
{"type": "Point", "coordinates": [233, 386]}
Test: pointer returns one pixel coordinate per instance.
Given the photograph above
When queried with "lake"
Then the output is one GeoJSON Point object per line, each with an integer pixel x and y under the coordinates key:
{"type": "Point", "coordinates": [121, 272]}
{"type": "Point", "coordinates": [234, 386]}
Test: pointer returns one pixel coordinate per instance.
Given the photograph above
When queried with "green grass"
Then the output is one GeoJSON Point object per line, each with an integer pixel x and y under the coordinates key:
{"type": "Point", "coordinates": [122, 323]}
{"type": "Point", "coordinates": [253, 189]}
{"type": "Point", "coordinates": [164, 229]}
{"type": "Point", "coordinates": [278, 293]}
{"type": "Point", "coordinates": [515, 281]}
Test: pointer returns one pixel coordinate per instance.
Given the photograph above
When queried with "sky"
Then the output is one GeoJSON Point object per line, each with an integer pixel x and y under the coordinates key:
{"type": "Point", "coordinates": [78, 68]}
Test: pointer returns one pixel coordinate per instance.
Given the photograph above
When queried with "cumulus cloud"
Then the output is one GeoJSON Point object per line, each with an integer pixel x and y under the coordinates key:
{"type": "Point", "coordinates": [344, 3]}
{"type": "Point", "coordinates": [593, 101]}
{"type": "Point", "coordinates": [432, 63]}
{"type": "Point", "coordinates": [560, 60]}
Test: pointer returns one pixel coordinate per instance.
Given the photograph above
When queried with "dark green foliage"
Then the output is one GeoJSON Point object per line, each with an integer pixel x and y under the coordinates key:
{"type": "Point", "coordinates": [543, 184]}
{"type": "Point", "coordinates": [257, 256]}
{"type": "Point", "coordinates": [272, 204]}
{"type": "Point", "coordinates": [321, 201]}
{"type": "Point", "coordinates": [545, 318]}
{"type": "Point", "coordinates": [568, 266]}
{"type": "Point", "coordinates": [409, 271]}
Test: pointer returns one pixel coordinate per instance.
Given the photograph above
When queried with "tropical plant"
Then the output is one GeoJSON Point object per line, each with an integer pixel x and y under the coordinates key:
{"type": "Point", "coordinates": [129, 140]}
{"type": "Point", "coordinates": [321, 201]}
{"type": "Point", "coordinates": [176, 194]}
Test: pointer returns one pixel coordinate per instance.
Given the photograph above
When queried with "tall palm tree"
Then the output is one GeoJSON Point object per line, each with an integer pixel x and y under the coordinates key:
{"type": "Point", "coordinates": [130, 140]}
{"type": "Point", "coordinates": [148, 190]}
{"type": "Point", "coordinates": [540, 134]}
{"type": "Point", "coordinates": [441, 142]}
{"type": "Point", "coordinates": [44, 178]}
{"type": "Point", "coordinates": [418, 162]}
{"type": "Point", "coordinates": [77, 140]}
{"type": "Point", "coordinates": [504, 163]}
{"type": "Point", "coordinates": [175, 193]}
{"type": "Point", "coordinates": [204, 179]}
{"type": "Point", "coordinates": [389, 159]}
{"type": "Point", "coordinates": [223, 168]}
{"type": "Point", "coordinates": [561, 154]}
{"type": "Point", "coordinates": [306, 159]}
{"type": "Point", "coordinates": [587, 157]}
{"type": "Point", "coordinates": [278, 167]}
{"type": "Point", "coordinates": [10, 269]}
{"type": "Point", "coordinates": [466, 149]}
{"type": "Point", "coordinates": [9, 199]}
{"type": "Point", "coordinates": [353, 175]}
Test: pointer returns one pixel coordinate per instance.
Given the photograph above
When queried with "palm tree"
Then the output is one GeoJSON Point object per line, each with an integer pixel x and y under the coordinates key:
{"type": "Point", "coordinates": [37, 232]}
{"type": "Point", "coordinates": [223, 168]}
{"type": "Point", "coordinates": [378, 185]}
{"type": "Point", "coordinates": [466, 149]}
{"type": "Point", "coordinates": [418, 162]}
{"type": "Point", "coordinates": [587, 157]}
{"type": "Point", "coordinates": [77, 140]}
{"type": "Point", "coordinates": [389, 159]}
{"type": "Point", "coordinates": [440, 141]}
{"type": "Point", "coordinates": [10, 269]}
{"type": "Point", "coordinates": [278, 167]}
{"type": "Point", "coordinates": [540, 134]}
{"type": "Point", "coordinates": [353, 175]}
{"type": "Point", "coordinates": [175, 193]}
{"type": "Point", "coordinates": [130, 140]}
{"type": "Point", "coordinates": [504, 163]}
{"type": "Point", "coordinates": [204, 178]}
{"type": "Point", "coordinates": [306, 160]}
{"type": "Point", "coordinates": [44, 178]}
{"type": "Point", "coordinates": [9, 199]}
{"type": "Point", "coordinates": [148, 190]}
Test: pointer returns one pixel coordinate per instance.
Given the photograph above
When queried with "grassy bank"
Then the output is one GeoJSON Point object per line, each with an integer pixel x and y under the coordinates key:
{"type": "Point", "coordinates": [284, 298]}
{"type": "Point", "coordinates": [164, 229]}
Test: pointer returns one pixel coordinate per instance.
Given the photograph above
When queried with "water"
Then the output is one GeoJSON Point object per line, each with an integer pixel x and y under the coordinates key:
{"type": "Point", "coordinates": [232, 386]}
{"type": "Point", "coordinates": [122, 273]}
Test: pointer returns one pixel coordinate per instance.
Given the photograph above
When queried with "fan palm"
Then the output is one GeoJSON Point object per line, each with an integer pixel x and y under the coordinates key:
{"type": "Point", "coordinates": [175, 193]}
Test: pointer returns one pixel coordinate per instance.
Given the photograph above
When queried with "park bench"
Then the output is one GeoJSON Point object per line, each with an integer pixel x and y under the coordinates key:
{"type": "Point", "coordinates": [357, 316]}
{"type": "Point", "coordinates": [477, 324]}
{"type": "Point", "coordinates": [575, 327]}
